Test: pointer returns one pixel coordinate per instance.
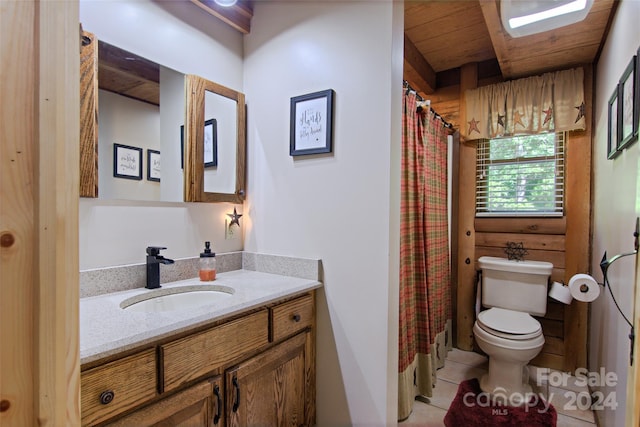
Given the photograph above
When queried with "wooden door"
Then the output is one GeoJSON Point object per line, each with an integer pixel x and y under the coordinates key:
{"type": "Point", "coordinates": [269, 389]}
{"type": "Point", "coordinates": [197, 406]}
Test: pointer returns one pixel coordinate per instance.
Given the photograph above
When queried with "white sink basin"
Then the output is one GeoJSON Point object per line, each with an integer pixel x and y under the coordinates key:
{"type": "Point", "coordinates": [179, 298]}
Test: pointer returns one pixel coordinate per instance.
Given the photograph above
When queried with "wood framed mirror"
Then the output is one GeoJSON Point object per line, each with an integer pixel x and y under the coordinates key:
{"type": "Point", "coordinates": [225, 182]}
{"type": "Point", "coordinates": [188, 173]}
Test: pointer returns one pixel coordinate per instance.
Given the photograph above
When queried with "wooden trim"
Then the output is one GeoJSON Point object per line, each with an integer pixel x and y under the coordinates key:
{"type": "Point", "coordinates": [466, 233]}
{"type": "Point", "coordinates": [549, 242]}
{"type": "Point", "coordinates": [522, 225]}
{"type": "Point", "coordinates": [455, 230]}
{"type": "Point", "coordinates": [39, 47]}
{"type": "Point", "coordinates": [578, 238]}
{"type": "Point", "coordinates": [193, 153]}
{"type": "Point", "coordinates": [17, 241]}
{"type": "Point", "coordinates": [89, 116]}
{"type": "Point", "coordinates": [57, 183]}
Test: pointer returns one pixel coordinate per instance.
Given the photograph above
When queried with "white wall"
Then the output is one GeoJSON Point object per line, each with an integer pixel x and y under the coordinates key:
{"type": "Point", "coordinates": [171, 119]}
{"type": "Point", "coordinates": [126, 121]}
{"type": "Point", "coordinates": [117, 232]}
{"type": "Point", "coordinates": [343, 207]}
{"type": "Point", "coordinates": [616, 204]}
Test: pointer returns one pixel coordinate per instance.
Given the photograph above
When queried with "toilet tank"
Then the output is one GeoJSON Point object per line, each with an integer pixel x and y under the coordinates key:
{"type": "Point", "coordinates": [515, 285]}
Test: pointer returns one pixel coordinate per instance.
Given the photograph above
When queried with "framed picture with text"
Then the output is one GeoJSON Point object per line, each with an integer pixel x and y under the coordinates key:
{"type": "Point", "coordinates": [153, 165]}
{"type": "Point", "coordinates": [311, 123]}
{"type": "Point", "coordinates": [127, 162]}
{"type": "Point", "coordinates": [612, 125]}
{"type": "Point", "coordinates": [627, 106]}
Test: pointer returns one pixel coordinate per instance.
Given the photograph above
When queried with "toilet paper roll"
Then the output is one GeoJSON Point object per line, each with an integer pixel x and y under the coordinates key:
{"type": "Point", "coordinates": [560, 292]}
{"type": "Point", "coordinates": [584, 287]}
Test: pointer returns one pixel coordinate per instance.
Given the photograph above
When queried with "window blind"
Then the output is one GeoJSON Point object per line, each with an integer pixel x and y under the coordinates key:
{"type": "Point", "coordinates": [521, 176]}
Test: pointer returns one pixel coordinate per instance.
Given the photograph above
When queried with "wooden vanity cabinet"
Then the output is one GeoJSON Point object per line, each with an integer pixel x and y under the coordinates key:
{"type": "Point", "coordinates": [113, 388]}
{"type": "Point", "coordinates": [258, 369]}
{"type": "Point", "coordinates": [270, 389]}
{"type": "Point", "coordinates": [197, 406]}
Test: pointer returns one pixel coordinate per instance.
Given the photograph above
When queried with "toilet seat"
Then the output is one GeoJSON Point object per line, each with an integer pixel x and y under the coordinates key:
{"type": "Point", "coordinates": [509, 324]}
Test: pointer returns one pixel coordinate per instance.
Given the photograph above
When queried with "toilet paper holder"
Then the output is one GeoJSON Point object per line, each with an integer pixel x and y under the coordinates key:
{"type": "Point", "coordinates": [604, 266]}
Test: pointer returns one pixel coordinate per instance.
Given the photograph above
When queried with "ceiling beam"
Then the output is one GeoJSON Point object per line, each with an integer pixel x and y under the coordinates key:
{"type": "Point", "coordinates": [496, 32]}
{"type": "Point", "coordinates": [238, 16]}
{"type": "Point", "coordinates": [417, 71]}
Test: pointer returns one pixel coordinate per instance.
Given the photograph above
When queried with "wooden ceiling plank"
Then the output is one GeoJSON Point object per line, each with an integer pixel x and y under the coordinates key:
{"type": "Point", "coordinates": [420, 12]}
{"type": "Point", "coordinates": [449, 34]}
{"type": "Point", "coordinates": [114, 58]}
{"type": "Point", "coordinates": [497, 35]}
{"type": "Point", "coordinates": [417, 68]}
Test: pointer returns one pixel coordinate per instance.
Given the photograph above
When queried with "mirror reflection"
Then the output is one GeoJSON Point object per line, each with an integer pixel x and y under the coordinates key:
{"type": "Point", "coordinates": [219, 178]}
{"type": "Point", "coordinates": [140, 105]}
{"type": "Point", "coordinates": [142, 137]}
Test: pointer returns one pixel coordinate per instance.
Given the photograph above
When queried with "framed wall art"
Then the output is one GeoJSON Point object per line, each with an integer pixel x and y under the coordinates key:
{"type": "Point", "coordinates": [636, 108]}
{"type": "Point", "coordinates": [311, 123]}
{"type": "Point", "coordinates": [153, 165]}
{"type": "Point", "coordinates": [127, 162]}
{"type": "Point", "coordinates": [612, 125]}
{"type": "Point", "coordinates": [210, 144]}
{"type": "Point", "coordinates": [627, 106]}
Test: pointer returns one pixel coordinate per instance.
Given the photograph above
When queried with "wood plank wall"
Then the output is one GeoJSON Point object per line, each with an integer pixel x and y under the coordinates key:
{"type": "Point", "coordinates": [565, 242]}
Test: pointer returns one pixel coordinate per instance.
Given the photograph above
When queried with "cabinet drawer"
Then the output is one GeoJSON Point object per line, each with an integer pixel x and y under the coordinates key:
{"type": "Point", "coordinates": [290, 317]}
{"type": "Point", "coordinates": [115, 387]}
{"type": "Point", "coordinates": [197, 355]}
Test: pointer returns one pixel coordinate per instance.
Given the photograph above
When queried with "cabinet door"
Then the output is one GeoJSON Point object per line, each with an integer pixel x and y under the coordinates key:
{"type": "Point", "coordinates": [197, 406]}
{"type": "Point", "coordinates": [270, 389]}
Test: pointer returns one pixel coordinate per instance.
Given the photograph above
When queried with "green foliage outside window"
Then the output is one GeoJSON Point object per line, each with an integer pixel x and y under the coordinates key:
{"type": "Point", "coordinates": [520, 175]}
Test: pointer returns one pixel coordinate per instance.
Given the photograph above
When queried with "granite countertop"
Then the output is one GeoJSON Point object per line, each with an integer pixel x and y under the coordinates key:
{"type": "Point", "coordinates": [106, 329]}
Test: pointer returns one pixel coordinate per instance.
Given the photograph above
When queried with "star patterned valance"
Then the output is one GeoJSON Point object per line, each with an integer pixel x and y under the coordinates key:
{"type": "Point", "coordinates": [552, 102]}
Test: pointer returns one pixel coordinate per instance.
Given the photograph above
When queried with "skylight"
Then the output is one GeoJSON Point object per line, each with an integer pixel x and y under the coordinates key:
{"type": "Point", "coordinates": [522, 18]}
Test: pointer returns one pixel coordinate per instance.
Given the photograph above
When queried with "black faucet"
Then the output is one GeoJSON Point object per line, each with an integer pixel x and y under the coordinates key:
{"type": "Point", "coordinates": [154, 259]}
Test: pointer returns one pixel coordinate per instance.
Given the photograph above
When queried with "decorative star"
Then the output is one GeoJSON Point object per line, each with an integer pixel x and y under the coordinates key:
{"type": "Point", "coordinates": [580, 109]}
{"type": "Point", "coordinates": [473, 125]}
{"type": "Point", "coordinates": [501, 120]}
{"type": "Point", "coordinates": [547, 115]}
{"type": "Point", "coordinates": [517, 119]}
{"type": "Point", "coordinates": [515, 251]}
{"type": "Point", "coordinates": [235, 218]}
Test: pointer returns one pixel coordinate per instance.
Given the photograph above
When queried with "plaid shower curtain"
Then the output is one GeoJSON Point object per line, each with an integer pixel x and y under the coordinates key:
{"type": "Point", "coordinates": [425, 284]}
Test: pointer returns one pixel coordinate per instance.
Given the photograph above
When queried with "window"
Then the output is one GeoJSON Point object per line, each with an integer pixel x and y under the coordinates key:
{"type": "Point", "coordinates": [520, 176]}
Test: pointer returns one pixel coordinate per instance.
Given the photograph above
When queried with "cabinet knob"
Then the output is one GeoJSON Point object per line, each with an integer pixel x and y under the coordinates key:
{"type": "Point", "coordinates": [106, 397]}
{"type": "Point", "coordinates": [296, 317]}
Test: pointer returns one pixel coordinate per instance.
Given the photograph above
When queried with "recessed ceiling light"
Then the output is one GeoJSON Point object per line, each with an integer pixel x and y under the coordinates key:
{"type": "Point", "coordinates": [225, 3]}
{"type": "Point", "coordinates": [522, 18]}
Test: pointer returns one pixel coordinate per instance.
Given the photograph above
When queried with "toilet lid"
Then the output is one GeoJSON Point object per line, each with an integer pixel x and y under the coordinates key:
{"type": "Point", "coordinates": [513, 324]}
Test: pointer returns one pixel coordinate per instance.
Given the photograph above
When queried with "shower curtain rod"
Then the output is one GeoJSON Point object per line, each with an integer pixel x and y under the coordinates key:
{"type": "Point", "coordinates": [408, 88]}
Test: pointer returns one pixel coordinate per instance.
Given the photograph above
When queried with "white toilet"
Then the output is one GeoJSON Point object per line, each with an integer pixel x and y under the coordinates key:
{"type": "Point", "coordinates": [512, 291]}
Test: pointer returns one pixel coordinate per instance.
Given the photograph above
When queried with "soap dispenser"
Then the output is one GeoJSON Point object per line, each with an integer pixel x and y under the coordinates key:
{"type": "Point", "coordinates": [207, 264]}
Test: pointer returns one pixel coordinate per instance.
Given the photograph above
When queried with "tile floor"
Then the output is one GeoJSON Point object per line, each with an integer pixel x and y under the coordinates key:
{"type": "Point", "coordinates": [463, 365]}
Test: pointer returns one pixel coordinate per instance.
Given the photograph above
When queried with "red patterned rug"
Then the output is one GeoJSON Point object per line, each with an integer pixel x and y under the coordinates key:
{"type": "Point", "coordinates": [473, 408]}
